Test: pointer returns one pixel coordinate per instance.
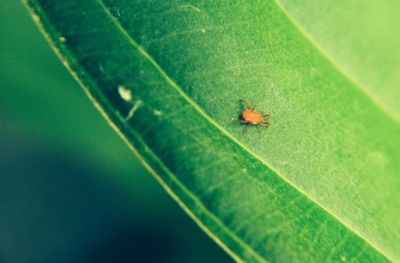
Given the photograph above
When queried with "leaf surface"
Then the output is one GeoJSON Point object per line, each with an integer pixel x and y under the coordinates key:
{"type": "Point", "coordinates": [320, 185]}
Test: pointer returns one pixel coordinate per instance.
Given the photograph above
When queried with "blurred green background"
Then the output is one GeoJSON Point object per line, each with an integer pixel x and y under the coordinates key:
{"type": "Point", "coordinates": [70, 189]}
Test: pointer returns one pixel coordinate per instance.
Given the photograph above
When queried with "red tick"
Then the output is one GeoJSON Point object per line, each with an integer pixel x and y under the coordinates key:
{"type": "Point", "coordinates": [251, 117]}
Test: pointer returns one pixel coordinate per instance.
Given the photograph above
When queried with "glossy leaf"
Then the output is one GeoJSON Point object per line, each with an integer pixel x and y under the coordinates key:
{"type": "Point", "coordinates": [320, 185]}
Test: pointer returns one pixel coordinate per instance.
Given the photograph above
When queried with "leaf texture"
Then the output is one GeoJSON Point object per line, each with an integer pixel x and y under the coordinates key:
{"type": "Point", "coordinates": [321, 185]}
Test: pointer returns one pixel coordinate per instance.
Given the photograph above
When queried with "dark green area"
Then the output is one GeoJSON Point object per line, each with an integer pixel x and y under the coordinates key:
{"type": "Point", "coordinates": [70, 189]}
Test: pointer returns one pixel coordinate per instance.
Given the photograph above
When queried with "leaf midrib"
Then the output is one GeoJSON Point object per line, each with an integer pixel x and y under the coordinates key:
{"type": "Point", "coordinates": [180, 91]}
{"type": "Point", "coordinates": [64, 55]}
{"type": "Point", "coordinates": [355, 83]}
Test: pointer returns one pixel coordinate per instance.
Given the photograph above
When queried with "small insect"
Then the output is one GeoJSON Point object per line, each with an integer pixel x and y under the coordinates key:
{"type": "Point", "coordinates": [251, 117]}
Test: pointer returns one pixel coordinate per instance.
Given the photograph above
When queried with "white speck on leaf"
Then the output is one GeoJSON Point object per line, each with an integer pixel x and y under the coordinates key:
{"type": "Point", "coordinates": [62, 39]}
{"type": "Point", "coordinates": [203, 30]}
{"type": "Point", "coordinates": [125, 93]}
{"type": "Point", "coordinates": [101, 68]}
{"type": "Point", "coordinates": [158, 112]}
{"type": "Point", "coordinates": [134, 108]}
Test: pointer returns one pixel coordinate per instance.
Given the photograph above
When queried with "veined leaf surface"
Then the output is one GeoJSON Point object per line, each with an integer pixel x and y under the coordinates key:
{"type": "Point", "coordinates": [320, 185]}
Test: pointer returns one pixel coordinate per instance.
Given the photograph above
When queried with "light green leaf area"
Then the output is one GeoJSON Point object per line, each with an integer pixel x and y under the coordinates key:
{"type": "Point", "coordinates": [360, 38]}
{"type": "Point", "coordinates": [320, 185]}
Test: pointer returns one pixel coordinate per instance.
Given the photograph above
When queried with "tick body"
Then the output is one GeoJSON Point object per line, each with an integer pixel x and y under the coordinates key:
{"type": "Point", "coordinates": [252, 117]}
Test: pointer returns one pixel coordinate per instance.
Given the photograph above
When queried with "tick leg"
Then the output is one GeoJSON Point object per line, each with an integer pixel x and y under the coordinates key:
{"type": "Point", "coordinates": [266, 115]}
{"type": "Point", "coordinates": [245, 103]}
{"type": "Point", "coordinates": [243, 121]}
{"type": "Point", "coordinates": [267, 124]}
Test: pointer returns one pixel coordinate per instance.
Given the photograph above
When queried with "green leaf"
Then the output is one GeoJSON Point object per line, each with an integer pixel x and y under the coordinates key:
{"type": "Point", "coordinates": [320, 185]}
{"type": "Point", "coordinates": [359, 40]}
